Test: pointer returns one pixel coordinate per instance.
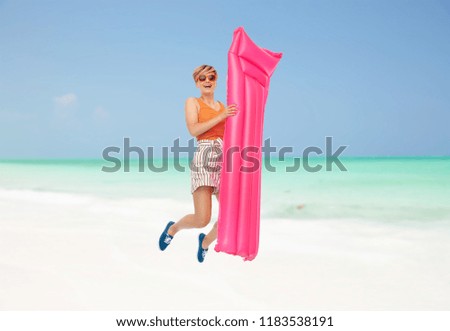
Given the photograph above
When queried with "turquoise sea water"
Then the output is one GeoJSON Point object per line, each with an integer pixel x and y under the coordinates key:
{"type": "Point", "coordinates": [379, 189]}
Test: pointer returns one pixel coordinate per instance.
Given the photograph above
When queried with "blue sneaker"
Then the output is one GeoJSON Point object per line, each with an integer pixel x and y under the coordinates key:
{"type": "Point", "coordinates": [201, 251]}
{"type": "Point", "coordinates": [165, 238]}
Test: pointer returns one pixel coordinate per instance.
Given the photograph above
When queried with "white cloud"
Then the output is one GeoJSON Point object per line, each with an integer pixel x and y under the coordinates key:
{"type": "Point", "coordinates": [100, 114]}
{"type": "Point", "coordinates": [64, 105]}
{"type": "Point", "coordinates": [65, 100]}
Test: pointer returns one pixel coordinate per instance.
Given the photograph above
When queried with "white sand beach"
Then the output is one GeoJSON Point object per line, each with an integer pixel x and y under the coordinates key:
{"type": "Point", "coordinates": [63, 251]}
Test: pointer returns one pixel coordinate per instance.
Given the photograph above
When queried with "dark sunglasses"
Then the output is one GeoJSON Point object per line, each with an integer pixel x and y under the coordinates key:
{"type": "Point", "coordinates": [211, 78]}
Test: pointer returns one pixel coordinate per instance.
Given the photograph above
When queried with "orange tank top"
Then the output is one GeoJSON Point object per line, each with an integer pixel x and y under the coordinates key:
{"type": "Point", "coordinates": [205, 113]}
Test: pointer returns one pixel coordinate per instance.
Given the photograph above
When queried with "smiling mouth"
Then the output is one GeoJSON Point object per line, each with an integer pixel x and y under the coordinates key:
{"type": "Point", "coordinates": [207, 86]}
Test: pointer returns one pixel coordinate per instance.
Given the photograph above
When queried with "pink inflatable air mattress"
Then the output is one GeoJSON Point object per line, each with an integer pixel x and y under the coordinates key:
{"type": "Point", "coordinates": [249, 70]}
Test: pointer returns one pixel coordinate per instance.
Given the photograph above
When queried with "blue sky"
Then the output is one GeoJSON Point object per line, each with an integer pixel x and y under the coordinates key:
{"type": "Point", "coordinates": [78, 76]}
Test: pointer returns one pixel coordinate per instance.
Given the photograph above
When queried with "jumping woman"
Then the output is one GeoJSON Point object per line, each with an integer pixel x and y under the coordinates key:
{"type": "Point", "coordinates": [205, 120]}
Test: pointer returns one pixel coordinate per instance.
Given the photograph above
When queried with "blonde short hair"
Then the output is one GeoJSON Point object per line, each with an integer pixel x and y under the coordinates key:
{"type": "Point", "coordinates": [203, 70]}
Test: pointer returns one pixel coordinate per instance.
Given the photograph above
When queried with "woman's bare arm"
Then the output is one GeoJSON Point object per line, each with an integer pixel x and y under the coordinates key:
{"type": "Point", "coordinates": [195, 128]}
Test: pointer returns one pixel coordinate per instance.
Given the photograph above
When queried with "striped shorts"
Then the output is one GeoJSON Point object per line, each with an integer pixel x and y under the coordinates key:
{"type": "Point", "coordinates": [207, 164]}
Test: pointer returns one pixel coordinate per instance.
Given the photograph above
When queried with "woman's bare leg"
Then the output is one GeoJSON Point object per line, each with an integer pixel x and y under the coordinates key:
{"type": "Point", "coordinates": [202, 211]}
{"type": "Point", "coordinates": [212, 235]}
